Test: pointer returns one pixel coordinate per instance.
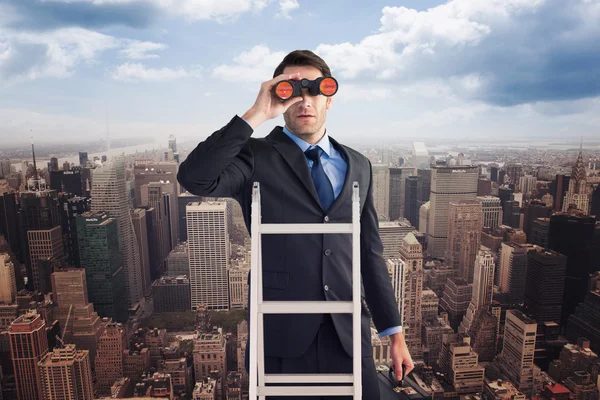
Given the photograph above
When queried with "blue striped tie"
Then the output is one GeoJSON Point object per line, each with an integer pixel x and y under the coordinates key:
{"type": "Point", "coordinates": [320, 179]}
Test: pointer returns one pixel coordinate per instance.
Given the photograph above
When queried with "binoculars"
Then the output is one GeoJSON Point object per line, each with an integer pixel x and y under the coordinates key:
{"type": "Point", "coordinates": [327, 86]}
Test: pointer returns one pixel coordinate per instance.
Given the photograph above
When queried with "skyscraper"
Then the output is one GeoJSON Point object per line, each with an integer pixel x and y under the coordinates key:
{"type": "Point", "coordinates": [8, 283]}
{"type": "Point", "coordinates": [397, 188]}
{"type": "Point", "coordinates": [411, 207]}
{"type": "Point", "coordinates": [173, 143]}
{"type": "Point", "coordinates": [559, 189]}
{"type": "Point", "coordinates": [505, 194]}
{"type": "Point", "coordinates": [53, 164]}
{"type": "Point", "coordinates": [98, 237]}
{"type": "Point", "coordinates": [527, 184]}
{"type": "Point", "coordinates": [109, 194]}
{"type": "Point", "coordinates": [545, 285]}
{"type": "Point", "coordinates": [483, 283]}
{"type": "Point", "coordinates": [577, 195]}
{"type": "Point", "coordinates": [152, 196]}
{"type": "Point", "coordinates": [83, 158]}
{"type": "Point", "coordinates": [411, 255]}
{"type": "Point", "coordinates": [38, 210]}
{"type": "Point", "coordinates": [80, 323]}
{"type": "Point", "coordinates": [182, 201]}
{"type": "Point", "coordinates": [585, 321]}
{"type": "Point", "coordinates": [44, 244]}
{"type": "Point", "coordinates": [595, 206]}
{"type": "Point", "coordinates": [208, 247]}
{"type": "Point", "coordinates": [74, 207]}
{"type": "Point", "coordinates": [573, 235]}
{"type": "Point", "coordinates": [109, 359]}
{"type": "Point", "coordinates": [420, 155]}
{"type": "Point", "coordinates": [513, 270]}
{"type": "Point", "coordinates": [9, 223]}
{"type": "Point", "coordinates": [533, 210]}
{"type": "Point", "coordinates": [448, 184]}
{"type": "Point", "coordinates": [514, 171]}
{"type": "Point", "coordinates": [140, 228]}
{"type": "Point", "coordinates": [492, 211]}
{"type": "Point", "coordinates": [66, 374]}
{"type": "Point", "coordinates": [465, 222]}
{"type": "Point", "coordinates": [28, 345]}
{"type": "Point", "coordinates": [178, 262]}
{"type": "Point", "coordinates": [516, 358]}
{"type": "Point", "coordinates": [540, 230]}
{"type": "Point", "coordinates": [417, 193]}
{"type": "Point", "coordinates": [381, 189]}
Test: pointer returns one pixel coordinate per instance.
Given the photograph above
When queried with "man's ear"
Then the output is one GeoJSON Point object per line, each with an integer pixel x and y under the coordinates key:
{"type": "Point", "coordinates": [329, 100]}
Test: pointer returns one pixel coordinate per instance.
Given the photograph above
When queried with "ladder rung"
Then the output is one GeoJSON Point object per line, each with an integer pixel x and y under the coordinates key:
{"type": "Point", "coordinates": [309, 378]}
{"type": "Point", "coordinates": [304, 228]}
{"type": "Point", "coordinates": [306, 307]}
{"type": "Point", "coordinates": [305, 390]}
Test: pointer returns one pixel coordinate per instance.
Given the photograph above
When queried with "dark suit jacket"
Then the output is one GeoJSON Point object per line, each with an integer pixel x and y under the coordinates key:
{"type": "Point", "coordinates": [298, 267]}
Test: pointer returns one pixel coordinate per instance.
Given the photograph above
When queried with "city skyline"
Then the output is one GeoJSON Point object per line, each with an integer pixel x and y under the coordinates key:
{"type": "Point", "coordinates": [519, 68]}
{"type": "Point", "coordinates": [466, 281]}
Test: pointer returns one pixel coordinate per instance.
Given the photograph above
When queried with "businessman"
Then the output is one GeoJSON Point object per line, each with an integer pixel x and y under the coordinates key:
{"type": "Point", "coordinates": [305, 176]}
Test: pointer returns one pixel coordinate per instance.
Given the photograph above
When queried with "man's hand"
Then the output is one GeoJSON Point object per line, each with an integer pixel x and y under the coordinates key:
{"type": "Point", "coordinates": [267, 106]}
{"type": "Point", "coordinates": [401, 358]}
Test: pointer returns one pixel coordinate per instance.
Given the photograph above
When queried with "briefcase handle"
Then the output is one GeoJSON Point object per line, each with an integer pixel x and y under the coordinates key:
{"type": "Point", "coordinates": [396, 383]}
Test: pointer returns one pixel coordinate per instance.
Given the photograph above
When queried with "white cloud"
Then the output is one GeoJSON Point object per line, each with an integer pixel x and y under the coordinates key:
{"type": "Point", "coordinates": [29, 55]}
{"type": "Point", "coordinates": [286, 7]}
{"type": "Point", "coordinates": [137, 50]}
{"type": "Point", "coordinates": [503, 52]}
{"type": "Point", "coordinates": [135, 72]}
{"type": "Point", "coordinates": [255, 65]}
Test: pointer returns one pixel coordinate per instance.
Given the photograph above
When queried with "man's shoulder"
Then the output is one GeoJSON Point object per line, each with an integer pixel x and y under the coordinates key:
{"type": "Point", "coordinates": [355, 154]}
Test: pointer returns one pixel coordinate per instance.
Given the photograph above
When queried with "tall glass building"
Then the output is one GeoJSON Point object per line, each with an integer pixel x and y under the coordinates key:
{"type": "Point", "coordinates": [98, 237]}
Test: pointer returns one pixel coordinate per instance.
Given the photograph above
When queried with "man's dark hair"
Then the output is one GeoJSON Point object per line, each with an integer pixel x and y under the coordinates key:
{"type": "Point", "coordinates": [304, 58]}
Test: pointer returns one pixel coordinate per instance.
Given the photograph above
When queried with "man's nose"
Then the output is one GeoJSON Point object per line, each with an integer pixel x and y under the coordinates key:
{"type": "Point", "coordinates": [307, 98]}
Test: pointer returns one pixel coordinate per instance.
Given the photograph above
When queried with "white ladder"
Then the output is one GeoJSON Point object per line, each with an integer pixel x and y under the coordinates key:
{"type": "Point", "coordinates": [258, 308]}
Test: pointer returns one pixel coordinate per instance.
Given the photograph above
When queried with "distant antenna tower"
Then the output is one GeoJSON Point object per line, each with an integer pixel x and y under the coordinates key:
{"type": "Point", "coordinates": [35, 175]}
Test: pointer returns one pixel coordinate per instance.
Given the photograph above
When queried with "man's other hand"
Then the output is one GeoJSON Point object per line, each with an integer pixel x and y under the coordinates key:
{"type": "Point", "coordinates": [401, 359]}
{"type": "Point", "coordinates": [267, 106]}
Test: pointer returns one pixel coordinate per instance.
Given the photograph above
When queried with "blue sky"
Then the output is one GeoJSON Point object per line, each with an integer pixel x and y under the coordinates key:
{"type": "Point", "coordinates": [407, 69]}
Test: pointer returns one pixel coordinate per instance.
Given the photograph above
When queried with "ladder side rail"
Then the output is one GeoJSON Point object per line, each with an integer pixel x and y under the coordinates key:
{"type": "Point", "coordinates": [260, 320]}
{"type": "Point", "coordinates": [356, 296]}
{"type": "Point", "coordinates": [255, 228]}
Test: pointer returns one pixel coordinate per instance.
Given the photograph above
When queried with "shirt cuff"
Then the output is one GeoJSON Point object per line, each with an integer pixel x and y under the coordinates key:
{"type": "Point", "coordinates": [391, 331]}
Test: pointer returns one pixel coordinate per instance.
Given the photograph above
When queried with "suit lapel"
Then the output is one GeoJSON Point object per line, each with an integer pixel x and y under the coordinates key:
{"type": "Point", "coordinates": [295, 158]}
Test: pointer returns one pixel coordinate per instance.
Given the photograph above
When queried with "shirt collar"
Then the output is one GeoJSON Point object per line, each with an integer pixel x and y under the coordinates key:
{"type": "Point", "coordinates": [324, 143]}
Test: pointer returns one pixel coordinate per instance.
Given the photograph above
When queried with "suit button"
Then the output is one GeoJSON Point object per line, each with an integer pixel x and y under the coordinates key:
{"type": "Point", "coordinates": [326, 287]}
{"type": "Point", "coordinates": [326, 219]}
{"type": "Point", "coordinates": [327, 252]}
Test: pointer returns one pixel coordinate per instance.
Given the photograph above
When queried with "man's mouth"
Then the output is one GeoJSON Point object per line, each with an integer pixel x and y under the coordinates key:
{"type": "Point", "coordinates": [305, 116]}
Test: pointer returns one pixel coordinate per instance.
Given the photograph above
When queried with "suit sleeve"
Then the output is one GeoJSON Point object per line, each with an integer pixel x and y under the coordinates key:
{"type": "Point", "coordinates": [379, 293]}
{"type": "Point", "coordinates": [220, 165]}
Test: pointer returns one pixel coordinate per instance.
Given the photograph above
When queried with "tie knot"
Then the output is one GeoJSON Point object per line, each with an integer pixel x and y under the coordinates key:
{"type": "Point", "coordinates": [314, 153]}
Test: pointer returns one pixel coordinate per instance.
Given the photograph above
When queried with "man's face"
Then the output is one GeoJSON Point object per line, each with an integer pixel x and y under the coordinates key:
{"type": "Point", "coordinates": [306, 118]}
